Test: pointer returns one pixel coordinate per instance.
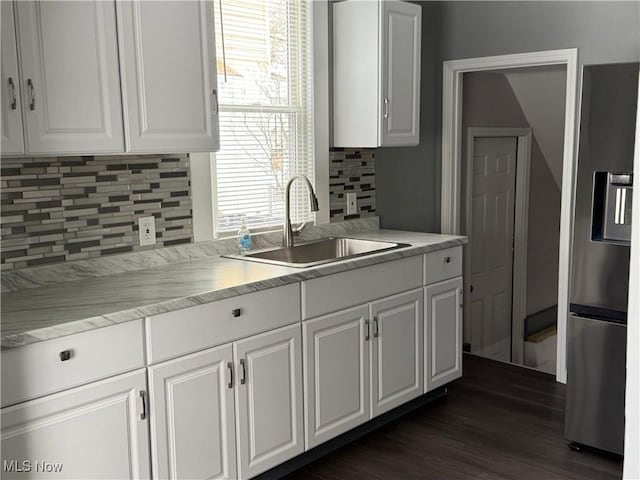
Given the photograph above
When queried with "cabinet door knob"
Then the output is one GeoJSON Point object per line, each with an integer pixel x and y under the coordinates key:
{"type": "Point", "coordinates": [236, 312]}
{"type": "Point", "coordinates": [447, 259]}
{"type": "Point", "coordinates": [386, 108]}
{"type": "Point", "coordinates": [65, 355]}
{"type": "Point", "coordinates": [367, 334]}
{"type": "Point", "coordinates": [376, 332]}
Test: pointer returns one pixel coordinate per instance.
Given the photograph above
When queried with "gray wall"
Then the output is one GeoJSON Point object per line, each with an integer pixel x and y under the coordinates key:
{"type": "Point", "coordinates": [408, 179]}
{"type": "Point", "coordinates": [405, 176]}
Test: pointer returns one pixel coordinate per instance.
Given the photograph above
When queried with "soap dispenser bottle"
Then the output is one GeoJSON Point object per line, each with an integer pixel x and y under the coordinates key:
{"type": "Point", "coordinates": [244, 237]}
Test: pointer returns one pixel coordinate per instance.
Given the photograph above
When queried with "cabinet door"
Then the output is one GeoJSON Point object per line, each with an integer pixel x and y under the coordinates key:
{"type": "Point", "coordinates": [70, 80]}
{"type": "Point", "coordinates": [169, 76]}
{"type": "Point", "coordinates": [94, 431]}
{"type": "Point", "coordinates": [336, 366]}
{"type": "Point", "coordinates": [443, 333]}
{"type": "Point", "coordinates": [400, 63]}
{"type": "Point", "coordinates": [192, 405]}
{"type": "Point", "coordinates": [397, 366]}
{"type": "Point", "coordinates": [269, 399]}
{"type": "Point", "coordinates": [12, 139]}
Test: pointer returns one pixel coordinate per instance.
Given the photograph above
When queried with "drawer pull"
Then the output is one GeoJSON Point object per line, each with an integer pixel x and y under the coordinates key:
{"type": "Point", "coordinates": [230, 367]}
{"type": "Point", "coordinates": [65, 355]}
{"type": "Point", "coordinates": [243, 366]}
{"type": "Point", "coordinates": [236, 312]}
{"type": "Point", "coordinates": [447, 259]}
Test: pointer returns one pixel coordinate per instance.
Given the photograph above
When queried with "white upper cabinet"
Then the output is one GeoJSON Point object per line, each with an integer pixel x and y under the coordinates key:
{"type": "Point", "coordinates": [400, 95]}
{"type": "Point", "coordinates": [70, 83]}
{"type": "Point", "coordinates": [12, 139]}
{"type": "Point", "coordinates": [168, 70]}
{"type": "Point", "coordinates": [376, 68]}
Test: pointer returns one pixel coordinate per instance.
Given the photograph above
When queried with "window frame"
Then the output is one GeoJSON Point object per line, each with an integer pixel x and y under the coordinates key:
{"type": "Point", "coordinates": [203, 165]}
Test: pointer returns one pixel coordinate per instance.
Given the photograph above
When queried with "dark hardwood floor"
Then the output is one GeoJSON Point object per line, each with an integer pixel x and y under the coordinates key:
{"type": "Point", "coordinates": [497, 422]}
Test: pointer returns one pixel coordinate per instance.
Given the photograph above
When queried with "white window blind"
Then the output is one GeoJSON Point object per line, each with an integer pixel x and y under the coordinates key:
{"type": "Point", "coordinates": [266, 122]}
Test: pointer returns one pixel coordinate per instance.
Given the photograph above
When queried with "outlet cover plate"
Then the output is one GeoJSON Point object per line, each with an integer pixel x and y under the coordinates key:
{"type": "Point", "coordinates": [352, 203]}
{"type": "Point", "coordinates": [147, 230]}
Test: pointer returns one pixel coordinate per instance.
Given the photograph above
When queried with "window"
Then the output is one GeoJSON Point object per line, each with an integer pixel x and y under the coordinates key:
{"type": "Point", "coordinates": [264, 67]}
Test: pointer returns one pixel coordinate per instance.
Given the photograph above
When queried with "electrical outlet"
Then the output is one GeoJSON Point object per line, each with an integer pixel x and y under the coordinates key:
{"type": "Point", "coordinates": [352, 203]}
{"type": "Point", "coordinates": [147, 230]}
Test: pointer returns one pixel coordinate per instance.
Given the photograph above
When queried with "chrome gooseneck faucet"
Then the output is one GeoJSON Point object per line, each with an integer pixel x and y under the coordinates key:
{"type": "Point", "coordinates": [288, 231]}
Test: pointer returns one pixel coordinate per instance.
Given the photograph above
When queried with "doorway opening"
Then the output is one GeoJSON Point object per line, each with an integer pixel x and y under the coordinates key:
{"type": "Point", "coordinates": [515, 302]}
{"type": "Point", "coordinates": [512, 154]}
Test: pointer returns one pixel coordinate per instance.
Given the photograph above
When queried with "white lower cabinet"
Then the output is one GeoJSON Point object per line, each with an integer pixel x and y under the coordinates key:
{"type": "Point", "coordinates": [360, 363]}
{"type": "Point", "coordinates": [240, 408]}
{"type": "Point", "coordinates": [95, 431]}
{"type": "Point", "coordinates": [232, 411]}
{"type": "Point", "coordinates": [397, 355]}
{"type": "Point", "coordinates": [269, 399]}
{"type": "Point", "coordinates": [336, 366]}
{"type": "Point", "coordinates": [192, 427]}
{"type": "Point", "coordinates": [443, 334]}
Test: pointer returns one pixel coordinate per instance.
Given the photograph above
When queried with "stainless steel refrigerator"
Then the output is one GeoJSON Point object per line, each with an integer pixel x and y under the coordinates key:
{"type": "Point", "coordinates": [596, 329]}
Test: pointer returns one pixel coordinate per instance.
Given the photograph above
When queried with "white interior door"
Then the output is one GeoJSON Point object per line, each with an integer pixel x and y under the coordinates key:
{"type": "Point", "coordinates": [493, 173]}
{"type": "Point", "coordinates": [192, 406]}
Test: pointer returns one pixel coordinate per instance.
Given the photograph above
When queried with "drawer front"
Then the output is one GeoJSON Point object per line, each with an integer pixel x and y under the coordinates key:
{"type": "Point", "coordinates": [39, 369]}
{"type": "Point", "coordinates": [355, 287]}
{"type": "Point", "coordinates": [442, 265]}
{"type": "Point", "coordinates": [172, 334]}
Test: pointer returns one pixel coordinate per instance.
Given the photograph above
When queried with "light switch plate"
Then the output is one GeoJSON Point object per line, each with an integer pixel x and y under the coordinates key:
{"type": "Point", "coordinates": [352, 203]}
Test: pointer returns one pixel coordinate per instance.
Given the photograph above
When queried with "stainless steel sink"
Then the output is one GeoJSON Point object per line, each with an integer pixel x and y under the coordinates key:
{"type": "Point", "coordinates": [318, 252]}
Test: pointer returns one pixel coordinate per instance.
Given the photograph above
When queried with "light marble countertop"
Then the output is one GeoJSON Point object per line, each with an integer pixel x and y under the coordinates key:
{"type": "Point", "coordinates": [35, 314]}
